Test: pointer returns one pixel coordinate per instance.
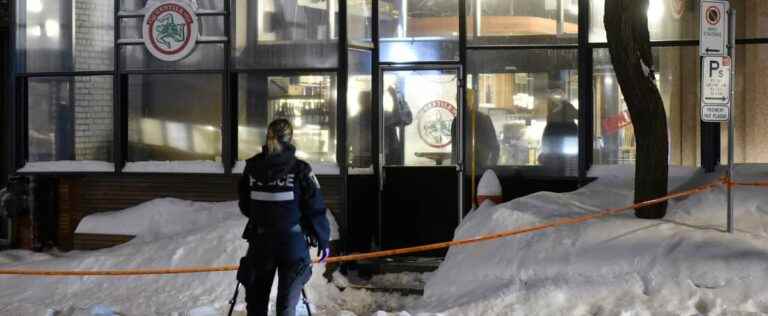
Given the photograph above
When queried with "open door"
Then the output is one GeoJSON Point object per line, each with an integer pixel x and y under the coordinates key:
{"type": "Point", "coordinates": [420, 155]}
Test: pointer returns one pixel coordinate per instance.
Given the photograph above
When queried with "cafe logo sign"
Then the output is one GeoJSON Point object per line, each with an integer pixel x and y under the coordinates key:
{"type": "Point", "coordinates": [170, 30]}
{"type": "Point", "coordinates": [434, 123]}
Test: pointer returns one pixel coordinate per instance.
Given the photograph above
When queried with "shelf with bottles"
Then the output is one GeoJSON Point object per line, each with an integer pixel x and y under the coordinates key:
{"type": "Point", "coordinates": [306, 112]}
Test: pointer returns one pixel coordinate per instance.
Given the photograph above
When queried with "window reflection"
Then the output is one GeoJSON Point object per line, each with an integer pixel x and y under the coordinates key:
{"type": "Point", "coordinates": [286, 33]}
{"type": "Point", "coordinates": [70, 118]}
{"type": "Point", "coordinates": [359, 109]}
{"type": "Point", "coordinates": [164, 125]}
{"type": "Point", "coordinates": [359, 19]}
{"type": "Point", "coordinates": [57, 36]}
{"type": "Point", "coordinates": [667, 20]}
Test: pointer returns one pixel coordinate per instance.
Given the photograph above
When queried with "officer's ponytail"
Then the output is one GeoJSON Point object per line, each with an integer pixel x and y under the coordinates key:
{"type": "Point", "coordinates": [279, 132]}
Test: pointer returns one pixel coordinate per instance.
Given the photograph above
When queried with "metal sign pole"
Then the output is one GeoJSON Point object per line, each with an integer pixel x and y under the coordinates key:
{"type": "Point", "coordinates": [732, 53]}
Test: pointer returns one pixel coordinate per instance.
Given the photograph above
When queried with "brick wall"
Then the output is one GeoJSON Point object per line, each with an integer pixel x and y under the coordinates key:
{"type": "Point", "coordinates": [94, 32]}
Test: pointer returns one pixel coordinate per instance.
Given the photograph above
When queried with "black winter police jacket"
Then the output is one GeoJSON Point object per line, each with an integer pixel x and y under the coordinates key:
{"type": "Point", "coordinates": [279, 194]}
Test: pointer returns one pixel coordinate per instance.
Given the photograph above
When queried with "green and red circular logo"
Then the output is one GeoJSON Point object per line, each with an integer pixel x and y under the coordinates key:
{"type": "Point", "coordinates": [170, 30]}
{"type": "Point", "coordinates": [434, 123]}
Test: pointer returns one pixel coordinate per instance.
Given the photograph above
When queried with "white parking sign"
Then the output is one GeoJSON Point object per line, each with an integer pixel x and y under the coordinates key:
{"type": "Point", "coordinates": [714, 28]}
{"type": "Point", "coordinates": [715, 88]}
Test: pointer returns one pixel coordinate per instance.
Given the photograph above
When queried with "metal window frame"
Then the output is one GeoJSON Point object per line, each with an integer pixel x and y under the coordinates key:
{"type": "Point", "coordinates": [18, 89]}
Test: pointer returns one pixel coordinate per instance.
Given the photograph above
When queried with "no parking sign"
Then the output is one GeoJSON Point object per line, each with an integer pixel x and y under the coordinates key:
{"type": "Point", "coordinates": [714, 28]}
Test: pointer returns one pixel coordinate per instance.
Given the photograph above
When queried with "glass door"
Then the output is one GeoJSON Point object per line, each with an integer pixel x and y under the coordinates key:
{"type": "Point", "coordinates": [420, 155]}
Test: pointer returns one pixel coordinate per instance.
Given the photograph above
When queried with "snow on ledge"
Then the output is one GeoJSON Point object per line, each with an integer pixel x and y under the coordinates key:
{"type": "Point", "coordinates": [319, 168]}
{"type": "Point", "coordinates": [361, 171]}
{"type": "Point", "coordinates": [174, 167]}
{"type": "Point", "coordinates": [69, 166]}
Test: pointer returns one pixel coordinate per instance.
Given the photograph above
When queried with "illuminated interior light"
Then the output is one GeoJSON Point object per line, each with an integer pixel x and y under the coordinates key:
{"type": "Point", "coordinates": [573, 9]}
{"type": "Point", "coordinates": [52, 28]}
{"type": "Point", "coordinates": [205, 140]}
{"type": "Point", "coordinates": [655, 11]}
{"type": "Point", "coordinates": [402, 51]}
{"type": "Point", "coordinates": [523, 100]}
{"type": "Point", "coordinates": [571, 146]}
{"type": "Point", "coordinates": [608, 80]}
{"type": "Point", "coordinates": [534, 132]}
{"type": "Point", "coordinates": [34, 6]}
{"type": "Point", "coordinates": [301, 154]}
{"type": "Point", "coordinates": [152, 132]}
{"type": "Point", "coordinates": [35, 31]}
{"type": "Point", "coordinates": [178, 137]}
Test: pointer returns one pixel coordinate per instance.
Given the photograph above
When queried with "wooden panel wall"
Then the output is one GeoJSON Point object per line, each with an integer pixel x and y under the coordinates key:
{"type": "Point", "coordinates": [79, 196]}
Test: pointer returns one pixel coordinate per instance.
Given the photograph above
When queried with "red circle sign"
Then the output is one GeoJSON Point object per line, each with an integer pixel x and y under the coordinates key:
{"type": "Point", "coordinates": [434, 123]}
{"type": "Point", "coordinates": [170, 30]}
{"type": "Point", "coordinates": [713, 15]}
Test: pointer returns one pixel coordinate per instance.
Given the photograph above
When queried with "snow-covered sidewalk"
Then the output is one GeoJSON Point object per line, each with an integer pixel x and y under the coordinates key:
{"type": "Point", "coordinates": [682, 265]}
{"type": "Point", "coordinates": [170, 233]}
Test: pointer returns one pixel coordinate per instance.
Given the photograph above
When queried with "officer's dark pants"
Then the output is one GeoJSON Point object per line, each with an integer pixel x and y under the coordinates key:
{"type": "Point", "coordinates": [293, 271]}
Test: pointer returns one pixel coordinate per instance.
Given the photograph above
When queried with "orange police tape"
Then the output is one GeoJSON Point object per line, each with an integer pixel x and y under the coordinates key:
{"type": "Point", "coordinates": [393, 252]}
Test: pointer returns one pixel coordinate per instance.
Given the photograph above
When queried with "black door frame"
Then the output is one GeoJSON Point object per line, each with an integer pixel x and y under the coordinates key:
{"type": "Point", "coordinates": [460, 99]}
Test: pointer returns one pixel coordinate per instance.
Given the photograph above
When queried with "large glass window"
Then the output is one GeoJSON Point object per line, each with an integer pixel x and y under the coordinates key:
{"type": "Point", "coordinates": [614, 139]}
{"type": "Point", "coordinates": [204, 56]}
{"type": "Point", "coordinates": [667, 20]}
{"type": "Point", "coordinates": [419, 30]}
{"type": "Point", "coordinates": [53, 36]}
{"type": "Point", "coordinates": [135, 5]}
{"type": "Point", "coordinates": [420, 109]}
{"type": "Point", "coordinates": [285, 34]}
{"type": "Point", "coordinates": [174, 117]}
{"type": "Point", "coordinates": [526, 110]}
{"type": "Point", "coordinates": [524, 22]}
{"type": "Point", "coordinates": [70, 118]}
{"type": "Point", "coordinates": [308, 101]}
{"type": "Point", "coordinates": [679, 19]}
{"type": "Point", "coordinates": [359, 110]}
{"type": "Point", "coordinates": [359, 19]}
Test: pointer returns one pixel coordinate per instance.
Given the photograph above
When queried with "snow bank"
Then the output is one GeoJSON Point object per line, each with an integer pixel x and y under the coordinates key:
{"type": "Point", "coordinates": [171, 233]}
{"type": "Point", "coordinates": [22, 256]}
{"type": "Point", "coordinates": [166, 217]}
{"type": "Point", "coordinates": [681, 265]}
{"type": "Point", "coordinates": [158, 218]}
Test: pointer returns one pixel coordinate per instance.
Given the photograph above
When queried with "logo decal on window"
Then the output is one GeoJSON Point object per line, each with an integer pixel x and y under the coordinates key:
{"type": "Point", "coordinates": [170, 30]}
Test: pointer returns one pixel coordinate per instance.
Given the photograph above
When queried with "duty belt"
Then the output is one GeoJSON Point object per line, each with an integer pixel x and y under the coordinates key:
{"type": "Point", "coordinates": [263, 230]}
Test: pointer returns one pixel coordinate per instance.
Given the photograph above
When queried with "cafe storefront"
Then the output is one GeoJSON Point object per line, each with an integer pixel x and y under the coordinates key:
{"type": "Point", "coordinates": [399, 105]}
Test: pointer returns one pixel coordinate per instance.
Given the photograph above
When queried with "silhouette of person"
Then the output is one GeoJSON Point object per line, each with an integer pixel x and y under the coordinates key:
{"type": "Point", "coordinates": [394, 122]}
{"type": "Point", "coordinates": [487, 142]}
{"type": "Point", "coordinates": [559, 143]}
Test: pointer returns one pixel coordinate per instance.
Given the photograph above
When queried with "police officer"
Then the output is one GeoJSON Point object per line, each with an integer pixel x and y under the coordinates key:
{"type": "Point", "coordinates": [281, 198]}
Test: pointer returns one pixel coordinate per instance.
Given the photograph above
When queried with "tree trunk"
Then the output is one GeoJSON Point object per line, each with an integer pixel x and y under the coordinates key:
{"type": "Point", "coordinates": [626, 25]}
